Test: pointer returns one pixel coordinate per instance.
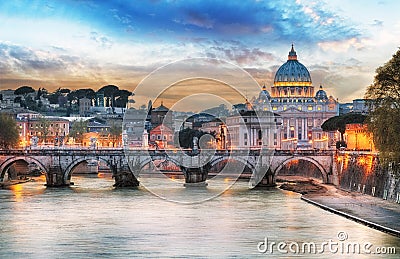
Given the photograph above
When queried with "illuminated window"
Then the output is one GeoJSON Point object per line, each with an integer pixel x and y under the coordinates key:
{"type": "Point", "coordinates": [299, 107]}
{"type": "Point", "coordinates": [274, 108]}
{"type": "Point", "coordinates": [319, 108]}
{"type": "Point", "coordinates": [309, 108]}
{"type": "Point", "coordinates": [284, 107]}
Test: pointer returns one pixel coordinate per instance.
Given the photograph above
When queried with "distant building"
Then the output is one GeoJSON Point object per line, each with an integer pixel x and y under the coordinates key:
{"type": "Point", "coordinates": [98, 125]}
{"type": "Point", "coordinates": [212, 126]}
{"type": "Point", "coordinates": [357, 106]}
{"type": "Point", "coordinates": [161, 115]}
{"type": "Point", "coordinates": [162, 137]}
{"type": "Point", "coordinates": [84, 106]}
{"type": "Point", "coordinates": [7, 99]}
{"type": "Point", "coordinates": [47, 130]}
{"type": "Point", "coordinates": [248, 130]}
{"type": "Point", "coordinates": [133, 127]}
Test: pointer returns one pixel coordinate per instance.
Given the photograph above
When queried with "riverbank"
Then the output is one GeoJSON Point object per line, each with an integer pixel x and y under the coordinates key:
{"type": "Point", "coordinates": [370, 211]}
{"type": "Point", "coordinates": [301, 185]}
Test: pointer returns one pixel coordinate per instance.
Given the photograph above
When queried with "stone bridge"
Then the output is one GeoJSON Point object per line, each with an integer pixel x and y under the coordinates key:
{"type": "Point", "coordinates": [58, 164]}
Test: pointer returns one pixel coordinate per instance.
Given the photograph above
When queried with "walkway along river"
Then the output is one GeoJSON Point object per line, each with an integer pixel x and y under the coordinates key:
{"type": "Point", "coordinates": [92, 219]}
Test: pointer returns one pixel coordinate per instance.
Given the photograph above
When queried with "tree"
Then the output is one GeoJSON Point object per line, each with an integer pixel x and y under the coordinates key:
{"type": "Point", "coordinates": [122, 100]}
{"type": "Point", "coordinates": [8, 132]}
{"type": "Point", "coordinates": [111, 92]}
{"type": "Point", "coordinates": [24, 90]}
{"type": "Point", "coordinates": [384, 117]}
{"type": "Point", "coordinates": [115, 132]}
{"type": "Point", "coordinates": [79, 127]}
{"type": "Point", "coordinates": [186, 136]}
{"type": "Point", "coordinates": [339, 123]}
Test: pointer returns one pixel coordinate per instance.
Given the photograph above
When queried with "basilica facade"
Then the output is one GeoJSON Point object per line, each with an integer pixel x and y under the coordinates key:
{"type": "Point", "coordinates": [300, 111]}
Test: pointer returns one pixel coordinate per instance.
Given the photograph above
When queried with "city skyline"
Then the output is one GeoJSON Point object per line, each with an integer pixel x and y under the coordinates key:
{"type": "Point", "coordinates": [85, 44]}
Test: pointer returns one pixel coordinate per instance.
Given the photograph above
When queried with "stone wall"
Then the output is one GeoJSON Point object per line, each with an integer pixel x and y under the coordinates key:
{"type": "Point", "coordinates": [362, 173]}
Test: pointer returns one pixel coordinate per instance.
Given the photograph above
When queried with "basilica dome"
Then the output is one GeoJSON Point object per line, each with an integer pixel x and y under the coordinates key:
{"type": "Point", "coordinates": [321, 94]}
{"type": "Point", "coordinates": [292, 71]}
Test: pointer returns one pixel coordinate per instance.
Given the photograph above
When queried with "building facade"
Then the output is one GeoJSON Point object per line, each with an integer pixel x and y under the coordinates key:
{"type": "Point", "coordinates": [301, 111]}
{"type": "Point", "coordinates": [40, 130]}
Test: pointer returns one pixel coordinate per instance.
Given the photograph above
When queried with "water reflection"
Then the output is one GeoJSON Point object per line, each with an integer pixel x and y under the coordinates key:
{"type": "Point", "coordinates": [92, 219]}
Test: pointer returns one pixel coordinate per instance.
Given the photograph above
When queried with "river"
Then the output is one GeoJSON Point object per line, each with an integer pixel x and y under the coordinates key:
{"type": "Point", "coordinates": [91, 219]}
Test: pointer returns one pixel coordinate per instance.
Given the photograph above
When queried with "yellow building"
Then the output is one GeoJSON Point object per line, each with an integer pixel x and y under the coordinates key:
{"type": "Point", "coordinates": [358, 138]}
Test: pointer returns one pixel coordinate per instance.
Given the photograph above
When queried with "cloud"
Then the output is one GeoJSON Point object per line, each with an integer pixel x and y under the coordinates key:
{"type": "Point", "coordinates": [281, 21]}
{"type": "Point", "coordinates": [243, 56]}
{"type": "Point", "coordinates": [101, 40]}
{"type": "Point", "coordinates": [377, 23]}
{"type": "Point", "coordinates": [199, 19]}
{"type": "Point", "coordinates": [342, 45]}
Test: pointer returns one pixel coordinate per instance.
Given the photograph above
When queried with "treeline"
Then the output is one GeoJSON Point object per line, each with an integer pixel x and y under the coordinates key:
{"type": "Point", "coordinates": [67, 98]}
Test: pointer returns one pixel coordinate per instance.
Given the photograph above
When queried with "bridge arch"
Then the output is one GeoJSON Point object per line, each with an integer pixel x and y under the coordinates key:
{"type": "Point", "coordinates": [8, 162]}
{"type": "Point", "coordinates": [76, 162]}
{"type": "Point", "coordinates": [150, 159]}
{"type": "Point", "coordinates": [324, 173]}
{"type": "Point", "coordinates": [242, 160]}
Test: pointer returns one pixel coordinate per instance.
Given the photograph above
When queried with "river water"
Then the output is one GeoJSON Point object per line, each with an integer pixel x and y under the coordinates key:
{"type": "Point", "coordinates": [91, 219]}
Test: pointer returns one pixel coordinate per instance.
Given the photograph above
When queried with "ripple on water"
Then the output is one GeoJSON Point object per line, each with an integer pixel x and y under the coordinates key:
{"type": "Point", "coordinates": [92, 219]}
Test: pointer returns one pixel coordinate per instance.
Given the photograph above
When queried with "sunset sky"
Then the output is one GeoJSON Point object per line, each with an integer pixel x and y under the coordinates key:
{"type": "Point", "coordinates": [89, 44]}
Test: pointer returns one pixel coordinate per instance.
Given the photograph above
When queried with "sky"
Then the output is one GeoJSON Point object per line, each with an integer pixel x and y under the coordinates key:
{"type": "Point", "coordinates": [89, 44]}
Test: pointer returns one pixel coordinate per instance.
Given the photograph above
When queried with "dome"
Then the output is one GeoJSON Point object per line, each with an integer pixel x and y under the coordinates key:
{"type": "Point", "coordinates": [264, 94]}
{"type": "Point", "coordinates": [292, 70]}
{"type": "Point", "coordinates": [321, 94]}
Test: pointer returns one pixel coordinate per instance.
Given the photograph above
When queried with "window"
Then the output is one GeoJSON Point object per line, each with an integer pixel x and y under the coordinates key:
{"type": "Point", "coordinates": [319, 108]}
{"type": "Point", "coordinates": [245, 135]}
{"type": "Point", "coordinates": [259, 134]}
{"type": "Point", "coordinates": [158, 137]}
{"type": "Point", "coordinates": [292, 132]}
{"type": "Point", "coordinates": [310, 108]}
{"type": "Point", "coordinates": [274, 108]}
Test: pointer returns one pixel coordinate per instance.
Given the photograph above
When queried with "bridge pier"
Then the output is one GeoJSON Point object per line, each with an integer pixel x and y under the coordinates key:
{"type": "Point", "coordinates": [195, 177]}
{"type": "Point", "coordinates": [55, 177]}
{"type": "Point", "coordinates": [268, 179]}
{"type": "Point", "coordinates": [124, 177]}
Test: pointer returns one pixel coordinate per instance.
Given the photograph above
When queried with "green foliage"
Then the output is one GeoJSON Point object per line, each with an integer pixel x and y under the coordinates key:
{"type": "Point", "coordinates": [118, 98]}
{"type": "Point", "coordinates": [77, 130]}
{"type": "Point", "coordinates": [57, 97]}
{"type": "Point", "coordinates": [186, 136]}
{"type": "Point", "coordinates": [8, 132]}
{"type": "Point", "coordinates": [24, 90]}
{"type": "Point", "coordinates": [339, 122]}
{"type": "Point", "coordinates": [109, 90]}
{"type": "Point", "coordinates": [115, 132]}
{"type": "Point", "coordinates": [384, 117]}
